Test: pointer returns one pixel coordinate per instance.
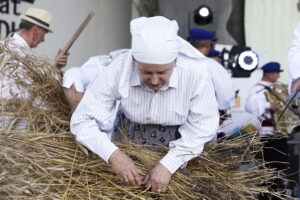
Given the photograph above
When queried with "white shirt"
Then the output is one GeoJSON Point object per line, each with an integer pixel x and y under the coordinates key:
{"type": "Point", "coordinates": [83, 76]}
{"type": "Point", "coordinates": [258, 105]}
{"type": "Point", "coordinates": [188, 100]}
{"type": "Point", "coordinates": [222, 82]}
{"type": "Point", "coordinates": [256, 102]}
{"type": "Point", "coordinates": [294, 57]}
{"type": "Point", "coordinates": [8, 86]}
{"type": "Point", "coordinates": [17, 42]}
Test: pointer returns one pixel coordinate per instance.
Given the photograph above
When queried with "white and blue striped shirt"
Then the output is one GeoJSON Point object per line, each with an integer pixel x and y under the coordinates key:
{"type": "Point", "coordinates": [188, 100]}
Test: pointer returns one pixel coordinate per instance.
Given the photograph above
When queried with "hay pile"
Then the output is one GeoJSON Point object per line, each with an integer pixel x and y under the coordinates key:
{"type": "Point", "coordinates": [38, 165]}
{"type": "Point", "coordinates": [45, 162]}
{"type": "Point", "coordinates": [34, 89]}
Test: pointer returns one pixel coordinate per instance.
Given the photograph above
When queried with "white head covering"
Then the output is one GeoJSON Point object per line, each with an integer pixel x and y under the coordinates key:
{"type": "Point", "coordinates": [154, 40]}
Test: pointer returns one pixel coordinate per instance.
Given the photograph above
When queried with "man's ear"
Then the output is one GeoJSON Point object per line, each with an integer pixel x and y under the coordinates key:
{"type": "Point", "coordinates": [35, 28]}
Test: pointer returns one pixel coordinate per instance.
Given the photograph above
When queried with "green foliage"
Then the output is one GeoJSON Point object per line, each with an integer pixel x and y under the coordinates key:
{"type": "Point", "coordinates": [148, 8]}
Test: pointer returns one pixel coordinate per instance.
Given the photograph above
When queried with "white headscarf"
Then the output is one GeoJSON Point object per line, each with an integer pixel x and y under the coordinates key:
{"type": "Point", "coordinates": [154, 41]}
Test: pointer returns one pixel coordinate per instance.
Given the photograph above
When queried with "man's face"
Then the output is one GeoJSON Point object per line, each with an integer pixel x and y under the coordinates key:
{"type": "Point", "coordinates": [38, 36]}
{"type": "Point", "coordinates": [274, 76]}
{"type": "Point", "coordinates": [207, 47]}
{"type": "Point", "coordinates": [154, 75]}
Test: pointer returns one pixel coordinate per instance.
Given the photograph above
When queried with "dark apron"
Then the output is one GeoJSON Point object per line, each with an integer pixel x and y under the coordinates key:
{"type": "Point", "coordinates": [149, 135]}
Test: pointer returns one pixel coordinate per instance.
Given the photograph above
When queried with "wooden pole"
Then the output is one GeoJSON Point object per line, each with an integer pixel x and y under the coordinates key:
{"type": "Point", "coordinates": [76, 34]}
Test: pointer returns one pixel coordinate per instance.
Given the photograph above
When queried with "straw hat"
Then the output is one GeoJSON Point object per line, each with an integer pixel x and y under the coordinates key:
{"type": "Point", "coordinates": [39, 17]}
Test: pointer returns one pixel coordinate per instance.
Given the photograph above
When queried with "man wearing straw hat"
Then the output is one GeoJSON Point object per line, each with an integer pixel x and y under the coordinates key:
{"type": "Point", "coordinates": [34, 25]}
{"type": "Point", "coordinates": [167, 98]}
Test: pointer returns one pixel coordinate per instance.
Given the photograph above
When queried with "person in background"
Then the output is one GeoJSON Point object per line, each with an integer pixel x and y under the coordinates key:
{"type": "Point", "coordinates": [202, 40]}
{"type": "Point", "coordinates": [275, 149]}
{"type": "Point", "coordinates": [215, 54]}
{"type": "Point", "coordinates": [257, 103]}
{"type": "Point", "coordinates": [166, 96]}
{"type": "Point", "coordinates": [34, 25]}
{"type": "Point", "coordinates": [77, 79]}
{"type": "Point", "coordinates": [293, 58]}
{"type": "Point", "coordinates": [293, 61]}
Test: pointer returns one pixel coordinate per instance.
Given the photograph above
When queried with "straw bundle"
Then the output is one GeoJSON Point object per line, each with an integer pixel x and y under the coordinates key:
{"type": "Point", "coordinates": [33, 86]}
{"type": "Point", "coordinates": [37, 164]}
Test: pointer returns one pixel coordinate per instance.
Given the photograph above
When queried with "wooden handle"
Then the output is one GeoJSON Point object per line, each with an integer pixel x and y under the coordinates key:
{"type": "Point", "coordinates": [77, 33]}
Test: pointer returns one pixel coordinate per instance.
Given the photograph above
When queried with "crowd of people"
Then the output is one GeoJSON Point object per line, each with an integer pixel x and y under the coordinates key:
{"type": "Point", "coordinates": [166, 91]}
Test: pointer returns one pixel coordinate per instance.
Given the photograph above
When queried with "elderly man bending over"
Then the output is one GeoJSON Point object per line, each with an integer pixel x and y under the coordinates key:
{"type": "Point", "coordinates": [164, 94]}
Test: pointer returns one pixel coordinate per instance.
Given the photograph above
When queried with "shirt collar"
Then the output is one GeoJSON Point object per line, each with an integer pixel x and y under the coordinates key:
{"type": "Point", "coordinates": [173, 82]}
{"type": "Point", "coordinates": [19, 40]}
{"type": "Point", "coordinates": [265, 83]}
{"type": "Point", "coordinates": [135, 79]}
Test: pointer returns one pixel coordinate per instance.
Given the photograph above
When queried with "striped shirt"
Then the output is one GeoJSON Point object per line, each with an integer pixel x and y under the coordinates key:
{"type": "Point", "coordinates": [187, 100]}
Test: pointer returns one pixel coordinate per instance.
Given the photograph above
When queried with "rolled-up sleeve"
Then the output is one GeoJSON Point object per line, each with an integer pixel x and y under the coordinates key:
{"type": "Point", "coordinates": [74, 76]}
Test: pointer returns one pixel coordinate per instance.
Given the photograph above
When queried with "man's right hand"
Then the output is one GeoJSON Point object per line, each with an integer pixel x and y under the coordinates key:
{"type": "Point", "coordinates": [274, 107]}
{"type": "Point", "coordinates": [61, 59]}
{"type": "Point", "coordinates": [125, 168]}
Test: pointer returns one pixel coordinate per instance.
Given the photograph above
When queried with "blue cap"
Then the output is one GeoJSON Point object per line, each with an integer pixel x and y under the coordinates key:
{"type": "Point", "coordinates": [201, 34]}
{"type": "Point", "coordinates": [271, 67]}
{"type": "Point", "coordinates": [213, 52]}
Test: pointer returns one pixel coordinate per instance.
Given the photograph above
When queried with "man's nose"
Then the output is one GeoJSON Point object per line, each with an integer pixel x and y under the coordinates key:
{"type": "Point", "coordinates": [154, 79]}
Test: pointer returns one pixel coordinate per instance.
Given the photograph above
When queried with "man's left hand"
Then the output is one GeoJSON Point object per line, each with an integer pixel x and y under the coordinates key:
{"type": "Point", "coordinates": [158, 179]}
{"type": "Point", "coordinates": [61, 59]}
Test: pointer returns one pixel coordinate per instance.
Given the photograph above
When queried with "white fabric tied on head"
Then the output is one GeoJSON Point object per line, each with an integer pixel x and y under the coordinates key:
{"type": "Point", "coordinates": [154, 40]}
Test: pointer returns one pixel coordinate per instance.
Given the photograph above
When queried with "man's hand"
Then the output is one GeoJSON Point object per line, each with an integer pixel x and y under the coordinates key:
{"type": "Point", "coordinates": [158, 179]}
{"type": "Point", "coordinates": [274, 107]}
{"type": "Point", "coordinates": [61, 59]}
{"type": "Point", "coordinates": [125, 168]}
{"type": "Point", "coordinates": [296, 85]}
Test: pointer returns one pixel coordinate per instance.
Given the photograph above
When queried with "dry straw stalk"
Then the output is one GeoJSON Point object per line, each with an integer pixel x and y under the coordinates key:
{"type": "Point", "coordinates": [44, 161]}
